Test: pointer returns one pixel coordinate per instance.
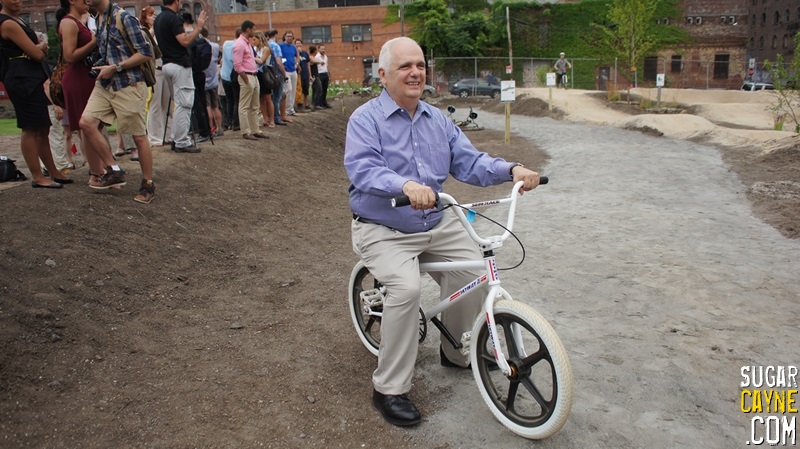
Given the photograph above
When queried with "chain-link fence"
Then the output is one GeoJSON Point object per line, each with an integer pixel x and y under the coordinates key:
{"type": "Point", "coordinates": [594, 74]}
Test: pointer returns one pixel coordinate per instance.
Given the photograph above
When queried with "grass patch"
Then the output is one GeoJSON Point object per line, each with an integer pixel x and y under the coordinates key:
{"type": "Point", "coordinates": [8, 127]}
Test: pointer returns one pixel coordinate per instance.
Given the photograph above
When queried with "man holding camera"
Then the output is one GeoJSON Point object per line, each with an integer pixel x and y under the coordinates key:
{"type": "Point", "coordinates": [173, 41]}
{"type": "Point", "coordinates": [120, 94]}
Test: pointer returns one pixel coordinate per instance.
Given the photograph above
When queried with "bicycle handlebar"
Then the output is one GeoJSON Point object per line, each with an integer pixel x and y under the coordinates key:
{"type": "Point", "coordinates": [443, 198]}
{"type": "Point", "coordinates": [402, 201]}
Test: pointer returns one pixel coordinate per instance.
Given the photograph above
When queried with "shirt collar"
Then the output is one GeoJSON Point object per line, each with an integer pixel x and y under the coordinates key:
{"type": "Point", "coordinates": [389, 106]}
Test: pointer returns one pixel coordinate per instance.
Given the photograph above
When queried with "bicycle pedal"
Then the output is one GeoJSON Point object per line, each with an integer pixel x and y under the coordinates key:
{"type": "Point", "coordinates": [372, 298]}
{"type": "Point", "coordinates": [466, 338]}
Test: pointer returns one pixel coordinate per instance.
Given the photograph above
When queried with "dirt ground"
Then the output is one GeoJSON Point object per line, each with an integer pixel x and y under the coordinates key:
{"type": "Point", "coordinates": [215, 316]}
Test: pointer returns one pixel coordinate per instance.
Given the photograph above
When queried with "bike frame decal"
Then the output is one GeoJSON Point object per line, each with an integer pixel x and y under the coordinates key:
{"type": "Point", "coordinates": [485, 203]}
{"type": "Point", "coordinates": [493, 270]}
{"type": "Point", "coordinates": [464, 290]}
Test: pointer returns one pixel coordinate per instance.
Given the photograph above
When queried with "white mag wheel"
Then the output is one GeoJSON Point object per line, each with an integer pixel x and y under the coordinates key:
{"type": "Point", "coordinates": [368, 326]}
{"type": "Point", "coordinates": [535, 400]}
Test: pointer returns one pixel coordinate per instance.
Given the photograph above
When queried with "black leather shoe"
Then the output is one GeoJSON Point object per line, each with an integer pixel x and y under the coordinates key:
{"type": "Point", "coordinates": [446, 362]}
{"type": "Point", "coordinates": [396, 409]}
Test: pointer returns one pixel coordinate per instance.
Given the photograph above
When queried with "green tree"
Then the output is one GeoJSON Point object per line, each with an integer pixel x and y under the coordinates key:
{"type": "Point", "coordinates": [787, 87]}
{"type": "Point", "coordinates": [631, 32]}
{"type": "Point", "coordinates": [53, 46]}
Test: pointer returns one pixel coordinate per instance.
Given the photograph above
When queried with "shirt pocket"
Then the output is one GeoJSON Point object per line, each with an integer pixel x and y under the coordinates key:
{"type": "Point", "coordinates": [439, 159]}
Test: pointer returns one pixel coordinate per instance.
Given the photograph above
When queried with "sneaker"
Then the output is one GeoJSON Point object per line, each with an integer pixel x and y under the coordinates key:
{"type": "Point", "coordinates": [146, 192]}
{"type": "Point", "coordinates": [112, 178]}
{"type": "Point", "coordinates": [203, 139]}
{"type": "Point", "coordinates": [189, 149]}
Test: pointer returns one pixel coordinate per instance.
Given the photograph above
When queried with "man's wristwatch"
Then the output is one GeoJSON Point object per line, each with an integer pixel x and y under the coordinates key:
{"type": "Point", "coordinates": [118, 66]}
{"type": "Point", "coordinates": [511, 169]}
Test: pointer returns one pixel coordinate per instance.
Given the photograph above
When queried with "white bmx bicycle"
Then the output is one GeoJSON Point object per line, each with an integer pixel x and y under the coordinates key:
{"type": "Point", "coordinates": [531, 393]}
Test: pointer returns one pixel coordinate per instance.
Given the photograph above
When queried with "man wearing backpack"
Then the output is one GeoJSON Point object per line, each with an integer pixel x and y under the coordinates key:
{"type": "Point", "coordinates": [121, 94]}
{"type": "Point", "coordinates": [200, 55]}
{"type": "Point", "coordinates": [173, 41]}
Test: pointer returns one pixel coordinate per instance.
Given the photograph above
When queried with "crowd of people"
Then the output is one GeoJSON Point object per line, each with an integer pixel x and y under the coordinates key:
{"type": "Point", "coordinates": [200, 89]}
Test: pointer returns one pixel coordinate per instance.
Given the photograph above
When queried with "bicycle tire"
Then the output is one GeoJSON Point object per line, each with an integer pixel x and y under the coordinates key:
{"type": "Point", "coordinates": [367, 327]}
{"type": "Point", "coordinates": [542, 406]}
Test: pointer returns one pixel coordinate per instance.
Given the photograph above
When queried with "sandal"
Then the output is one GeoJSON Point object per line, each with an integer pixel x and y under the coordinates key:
{"type": "Point", "coordinates": [119, 152]}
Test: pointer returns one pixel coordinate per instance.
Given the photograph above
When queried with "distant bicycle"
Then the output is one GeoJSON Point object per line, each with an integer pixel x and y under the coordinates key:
{"type": "Point", "coordinates": [468, 124]}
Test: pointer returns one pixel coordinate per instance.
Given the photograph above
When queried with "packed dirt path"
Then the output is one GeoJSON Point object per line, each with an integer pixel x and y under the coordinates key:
{"type": "Point", "coordinates": [645, 256]}
{"type": "Point", "coordinates": [216, 316]}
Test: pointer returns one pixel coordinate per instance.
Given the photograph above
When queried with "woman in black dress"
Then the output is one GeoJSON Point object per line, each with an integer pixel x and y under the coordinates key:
{"type": "Point", "coordinates": [24, 83]}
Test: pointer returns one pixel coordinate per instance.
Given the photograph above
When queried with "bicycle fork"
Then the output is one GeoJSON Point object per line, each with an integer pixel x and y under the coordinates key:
{"type": "Point", "coordinates": [496, 291]}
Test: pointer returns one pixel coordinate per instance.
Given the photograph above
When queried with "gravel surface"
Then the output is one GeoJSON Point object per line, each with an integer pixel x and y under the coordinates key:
{"type": "Point", "coordinates": [644, 255]}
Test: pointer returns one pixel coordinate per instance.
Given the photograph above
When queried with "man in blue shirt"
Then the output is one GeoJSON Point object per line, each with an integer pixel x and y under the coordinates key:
{"type": "Point", "coordinates": [398, 145]}
{"type": "Point", "coordinates": [277, 93]}
{"type": "Point", "coordinates": [289, 52]}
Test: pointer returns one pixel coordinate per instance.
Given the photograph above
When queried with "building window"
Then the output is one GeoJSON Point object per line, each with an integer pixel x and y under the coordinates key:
{"type": "Point", "coordinates": [666, 19]}
{"type": "Point", "coordinates": [774, 41]}
{"type": "Point", "coordinates": [732, 20]}
{"type": "Point", "coordinates": [197, 9]}
{"type": "Point", "coordinates": [25, 18]}
{"type": "Point", "coordinates": [650, 68]}
{"type": "Point", "coordinates": [761, 43]}
{"type": "Point", "coordinates": [723, 19]}
{"type": "Point", "coordinates": [690, 20]}
{"type": "Point", "coordinates": [50, 19]}
{"type": "Point", "coordinates": [777, 17]}
{"type": "Point", "coordinates": [798, 13]}
{"type": "Point", "coordinates": [675, 67]}
{"type": "Point", "coordinates": [788, 16]}
{"type": "Point", "coordinates": [131, 10]}
{"type": "Point", "coordinates": [316, 35]}
{"type": "Point", "coordinates": [721, 66]}
{"type": "Point", "coordinates": [785, 40]}
{"type": "Point", "coordinates": [698, 20]}
{"type": "Point", "coordinates": [763, 19]}
{"type": "Point", "coordinates": [185, 7]}
{"type": "Point", "coordinates": [753, 21]}
{"type": "Point", "coordinates": [357, 33]}
{"type": "Point", "coordinates": [752, 45]}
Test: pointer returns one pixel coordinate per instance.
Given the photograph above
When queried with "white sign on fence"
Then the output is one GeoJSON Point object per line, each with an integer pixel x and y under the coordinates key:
{"type": "Point", "coordinates": [551, 79]}
{"type": "Point", "coordinates": [660, 80]}
{"type": "Point", "coordinates": [508, 91]}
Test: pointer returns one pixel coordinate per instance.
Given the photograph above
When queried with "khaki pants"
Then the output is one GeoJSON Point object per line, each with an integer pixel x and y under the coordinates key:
{"type": "Point", "coordinates": [248, 105]}
{"type": "Point", "coordinates": [393, 258]}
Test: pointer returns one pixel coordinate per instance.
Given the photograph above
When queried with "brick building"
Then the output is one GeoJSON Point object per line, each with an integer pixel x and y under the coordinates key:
{"type": "Point", "coordinates": [353, 35]}
{"type": "Point", "coordinates": [772, 27]}
{"type": "Point", "coordinates": [716, 58]}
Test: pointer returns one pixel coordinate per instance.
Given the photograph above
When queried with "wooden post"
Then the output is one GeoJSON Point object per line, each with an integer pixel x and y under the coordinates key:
{"type": "Point", "coordinates": [508, 122]}
{"type": "Point", "coordinates": [550, 103]}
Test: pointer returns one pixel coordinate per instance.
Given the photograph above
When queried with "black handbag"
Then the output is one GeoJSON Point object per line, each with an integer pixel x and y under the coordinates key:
{"type": "Point", "coordinates": [271, 78]}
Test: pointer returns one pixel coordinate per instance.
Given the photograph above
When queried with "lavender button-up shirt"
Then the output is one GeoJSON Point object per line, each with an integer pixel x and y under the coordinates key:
{"type": "Point", "coordinates": [385, 148]}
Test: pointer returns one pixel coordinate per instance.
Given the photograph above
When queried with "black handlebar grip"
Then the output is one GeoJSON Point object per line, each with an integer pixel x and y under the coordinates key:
{"type": "Point", "coordinates": [543, 180]}
{"type": "Point", "coordinates": [401, 201]}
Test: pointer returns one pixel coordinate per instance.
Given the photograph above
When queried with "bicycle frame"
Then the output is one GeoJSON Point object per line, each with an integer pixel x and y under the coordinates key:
{"type": "Point", "coordinates": [487, 264]}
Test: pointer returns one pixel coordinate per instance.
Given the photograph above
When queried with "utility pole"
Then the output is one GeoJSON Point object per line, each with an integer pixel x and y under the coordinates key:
{"type": "Point", "coordinates": [269, 13]}
{"type": "Point", "coordinates": [402, 17]}
{"type": "Point", "coordinates": [510, 52]}
{"type": "Point", "coordinates": [510, 76]}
